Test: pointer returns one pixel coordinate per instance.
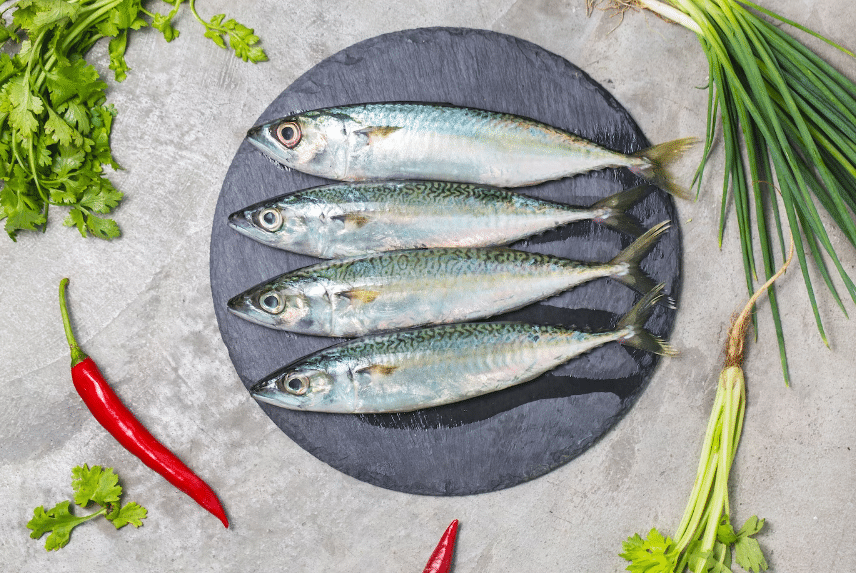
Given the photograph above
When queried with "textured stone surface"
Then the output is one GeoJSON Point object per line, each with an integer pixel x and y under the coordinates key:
{"type": "Point", "coordinates": [142, 306]}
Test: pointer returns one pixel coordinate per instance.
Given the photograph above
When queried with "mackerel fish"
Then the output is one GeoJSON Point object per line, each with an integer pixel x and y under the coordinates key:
{"type": "Point", "coordinates": [348, 219]}
{"type": "Point", "coordinates": [432, 366]}
{"type": "Point", "coordinates": [426, 141]}
{"type": "Point", "coordinates": [401, 289]}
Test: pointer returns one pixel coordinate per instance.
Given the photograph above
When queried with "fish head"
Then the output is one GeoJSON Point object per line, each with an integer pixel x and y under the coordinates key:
{"type": "Point", "coordinates": [310, 142]}
{"type": "Point", "coordinates": [300, 387]}
{"type": "Point", "coordinates": [282, 305]}
{"type": "Point", "coordinates": [277, 224]}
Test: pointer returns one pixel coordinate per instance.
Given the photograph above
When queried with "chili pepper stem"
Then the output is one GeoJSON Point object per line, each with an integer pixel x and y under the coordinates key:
{"type": "Point", "coordinates": [77, 355]}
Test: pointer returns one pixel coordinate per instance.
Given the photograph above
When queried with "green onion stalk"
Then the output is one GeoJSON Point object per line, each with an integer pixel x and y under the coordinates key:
{"type": "Point", "coordinates": [789, 126]}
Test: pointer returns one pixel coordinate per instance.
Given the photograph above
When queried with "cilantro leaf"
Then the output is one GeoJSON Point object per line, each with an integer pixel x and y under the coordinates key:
{"type": "Point", "coordinates": [121, 17]}
{"type": "Point", "coordinates": [102, 227]}
{"type": "Point", "coordinates": [77, 80]}
{"type": "Point", "coordinates": [52, 13]}
{"type": "Point", "coordinates": [60, 130]}
{"type": "Point", "coordinates": [57, 520]}
{"type": "Point", "coordinates": [76, 218]}
{"type": "Point", "coordinates": [163, 23]}
{"type": "Point", "coordinates": [76, 114]}
{"type": "Point", "coordinates": [96, 484]}
{"type": "Point", "coordinates": [22, 216]}
{"type": "Point", "coordinates": [54, 126]}
{"type": "Point", "coordinates": [101, 198]}
{"type": "Point", "coordinates": [22, 105]}
{"type": "Point", "coordinates": [242, 39]}
{"type": "Point", "coordinates": [129, 513]}
{"type": "Point", "coordinates": [116, 48]}
{"type": "Point", "coordinates": [650, 555]}
{"type": "Point", "coordinates": [747, 550]}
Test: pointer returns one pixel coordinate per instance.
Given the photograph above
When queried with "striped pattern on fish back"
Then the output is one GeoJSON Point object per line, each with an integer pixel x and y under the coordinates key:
{"type": "Point", "coordinates": [438, 196]}
{"type": "Point", "coordinates": [468, 339]}
{"type": "Point", "coordinates": [433, 264]}
{"type": "Point", "coordinates": [461, 144]}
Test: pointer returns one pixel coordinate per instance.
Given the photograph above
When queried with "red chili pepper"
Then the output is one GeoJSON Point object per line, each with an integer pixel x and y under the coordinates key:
{"type": "Point", "coordinates": [441, 559]}
{"type": "Point", "coordinates": [111, 413]}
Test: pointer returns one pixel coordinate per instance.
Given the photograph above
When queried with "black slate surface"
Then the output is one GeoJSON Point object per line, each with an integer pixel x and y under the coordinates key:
{"type": "Point", "coordinates": [508, 437]}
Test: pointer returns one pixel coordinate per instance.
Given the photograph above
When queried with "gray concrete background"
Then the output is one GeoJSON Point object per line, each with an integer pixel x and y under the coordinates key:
{"type": "Point", "coordinates": [142, 308]}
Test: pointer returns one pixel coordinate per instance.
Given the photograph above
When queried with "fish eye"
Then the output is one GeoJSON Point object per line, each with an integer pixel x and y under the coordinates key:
{"type": "Point", "coordinates": [272, 302]}
{"type": "Point", "coordinates": [296, 384]}
{"type": "Point", "coordinates": [288, 133]}
{"type": "Point", "coordinates": [270, 219]}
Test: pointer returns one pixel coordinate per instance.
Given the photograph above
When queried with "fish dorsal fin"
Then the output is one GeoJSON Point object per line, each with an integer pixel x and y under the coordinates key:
{"type": "Point", "coordinates": [352, 220]}
{"type": "Point", "coordinates": [362, 295]}
{"type": "Point", "coordinates": [376, 133]}
{"type": "Point", "coordinates": [377, 370]}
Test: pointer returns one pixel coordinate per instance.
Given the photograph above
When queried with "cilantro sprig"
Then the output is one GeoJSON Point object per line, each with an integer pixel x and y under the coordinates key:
{"type": "Point", "coordinates": [705, 541]}
{"type": "Point", "coordinates": [91, 485]}
{"type": "Point", "coordinates": [54, 121]}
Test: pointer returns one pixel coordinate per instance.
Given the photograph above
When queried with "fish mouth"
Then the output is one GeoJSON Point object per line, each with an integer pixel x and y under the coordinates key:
{"type": "Point", "coordinates": [242, 306]}
{"type": "Point", "coordinates": [239, 221]}
{"type": "Point", "coordinates": [254, 134]}
{"type": "Point", "coordinates": [242, 222]}
{"type": "Point", "coordinates": [262, 140]}
{"type": "Point", "coordinates": [266, 391]}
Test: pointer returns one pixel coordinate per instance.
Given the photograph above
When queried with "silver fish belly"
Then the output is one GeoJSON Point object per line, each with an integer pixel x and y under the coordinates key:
{"type": "Point", "coordinates": [348, 219]}
{"type": "Point", "coordinates": [409, 370]}
{"type": "Point", "coordinates": [402, 289]}
{"type": "Point", "coordinates": [382, 141]}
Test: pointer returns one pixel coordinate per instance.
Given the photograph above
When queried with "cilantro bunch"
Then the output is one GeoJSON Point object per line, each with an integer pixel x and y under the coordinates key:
{"type": "Point", "coordinates": [91, 485]}
{"type": "Point", "coordinates": [54, 122]}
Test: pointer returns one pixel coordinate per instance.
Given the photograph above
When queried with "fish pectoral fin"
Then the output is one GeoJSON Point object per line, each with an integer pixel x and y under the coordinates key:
{"type": "Point", "coordinates": [375, 133]}
{"type": "Point", "coordinates": [352, 220]}
{"type": "Point", "coordinates": [377, 370]}
{"type": "Point", "coordinates": [360, 295]}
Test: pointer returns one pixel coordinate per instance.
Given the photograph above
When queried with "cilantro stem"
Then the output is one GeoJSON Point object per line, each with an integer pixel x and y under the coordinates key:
{"type": "Point", "coordinates": [85, 518]}
{"type": "Point", "coordinates": [193, 11]}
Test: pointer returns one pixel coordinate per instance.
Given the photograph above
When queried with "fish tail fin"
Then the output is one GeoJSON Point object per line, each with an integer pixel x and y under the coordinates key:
{"type": "Point", "coordinates": [611, 210]}
{"type": "Point", "coordinates": [634, 322]}
{"type": "Point", "coordinates": [631, 274]}
{"type": "Point", "coordinates": [656, 163]}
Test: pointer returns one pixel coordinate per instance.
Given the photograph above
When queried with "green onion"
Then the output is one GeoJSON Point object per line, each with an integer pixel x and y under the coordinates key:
{"type": "Point", "coordinates": [793, 117]}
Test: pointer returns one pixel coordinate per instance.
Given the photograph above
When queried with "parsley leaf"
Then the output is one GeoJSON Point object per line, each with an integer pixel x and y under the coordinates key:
{"type": "Point", "coordinates": [96, 484]}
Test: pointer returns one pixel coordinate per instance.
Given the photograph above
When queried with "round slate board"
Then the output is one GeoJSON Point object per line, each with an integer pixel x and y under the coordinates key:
{"type": "Point", "coordinates": [508, 437]}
